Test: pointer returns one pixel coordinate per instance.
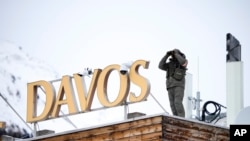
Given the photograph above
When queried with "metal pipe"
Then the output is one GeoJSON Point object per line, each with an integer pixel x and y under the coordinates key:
{"type": "Point", "coordinates": [159, 103]}
{"type": "Point", "coordinates": [15, 111]}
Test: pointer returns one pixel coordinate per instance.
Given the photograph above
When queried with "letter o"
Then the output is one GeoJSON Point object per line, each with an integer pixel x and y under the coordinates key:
{"type": "Point", "coordinates": [102, 87]}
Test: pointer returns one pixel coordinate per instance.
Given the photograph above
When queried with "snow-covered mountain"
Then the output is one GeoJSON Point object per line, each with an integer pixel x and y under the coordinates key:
{"type": "Point", "coordinates": [17, 69]}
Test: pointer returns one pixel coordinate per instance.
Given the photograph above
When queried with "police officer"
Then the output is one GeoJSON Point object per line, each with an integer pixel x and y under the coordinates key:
{"type": "Point", "coordinates": [175, 74]}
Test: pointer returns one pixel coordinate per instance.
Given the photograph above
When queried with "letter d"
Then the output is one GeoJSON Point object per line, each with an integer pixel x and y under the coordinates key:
{"type": "Point", "coordinates": [32, 100]}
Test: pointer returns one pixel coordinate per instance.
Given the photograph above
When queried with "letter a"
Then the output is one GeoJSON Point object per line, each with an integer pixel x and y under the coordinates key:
{"type": "Point", "coordinates": [86, 98]}
{"type": "Point", "coordinates": [66, 89]}
{"type": "Point", "coordinates": [237, 132]}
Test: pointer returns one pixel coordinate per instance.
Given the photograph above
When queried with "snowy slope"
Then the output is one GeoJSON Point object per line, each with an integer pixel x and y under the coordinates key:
{"type": "Point", "coordinates": [16, 70]}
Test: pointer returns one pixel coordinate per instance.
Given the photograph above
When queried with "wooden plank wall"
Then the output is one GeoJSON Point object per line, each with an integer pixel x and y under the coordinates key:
{"type": "Point", "coordinates": [157, 128]}
{"type": "Point", "coordinates": [148, 129]}
{"type": "Point", "coordinates": [176, 129]}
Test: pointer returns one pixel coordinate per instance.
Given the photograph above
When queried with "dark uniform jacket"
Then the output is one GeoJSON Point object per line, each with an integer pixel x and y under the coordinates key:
{"type": "Point", "coordinates": [170, 67]}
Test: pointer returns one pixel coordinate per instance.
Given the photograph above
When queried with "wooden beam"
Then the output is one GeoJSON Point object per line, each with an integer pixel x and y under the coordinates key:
{"type": "Point", "coordinates": [181, 129]}
{"type": "Point", "coordinates": [134, 130]}
{"type": "Point", "coordinates": [155, 128]}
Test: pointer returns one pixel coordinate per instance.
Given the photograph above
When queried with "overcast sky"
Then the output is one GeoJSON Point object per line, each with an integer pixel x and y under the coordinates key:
{"type": "Point", "coordinates": [74, 34]}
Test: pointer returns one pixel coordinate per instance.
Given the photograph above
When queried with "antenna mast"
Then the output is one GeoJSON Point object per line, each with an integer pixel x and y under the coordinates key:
{"type": "Point", "coordinates": [198, 100]}
{"type": "Point", "coordinates": [198, 77]}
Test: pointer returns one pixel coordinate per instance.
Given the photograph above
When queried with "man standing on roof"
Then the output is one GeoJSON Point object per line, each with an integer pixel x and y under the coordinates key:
{"type": "Point", "coordinates": [175, 79]}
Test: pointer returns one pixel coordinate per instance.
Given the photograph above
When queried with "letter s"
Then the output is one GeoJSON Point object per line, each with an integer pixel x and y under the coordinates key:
{"type": "Point", "coordinates": [139, 80]}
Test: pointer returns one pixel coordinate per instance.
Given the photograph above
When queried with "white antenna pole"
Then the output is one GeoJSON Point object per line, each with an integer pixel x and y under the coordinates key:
{"type": "Point", "coordinates": [198, 81]}
{"type": "Point", "coordinates": [198, 100]}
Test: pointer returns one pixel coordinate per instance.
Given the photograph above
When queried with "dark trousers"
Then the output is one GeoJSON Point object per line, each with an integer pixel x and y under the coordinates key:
{"type": "Point", "coordinates": [175, 95]}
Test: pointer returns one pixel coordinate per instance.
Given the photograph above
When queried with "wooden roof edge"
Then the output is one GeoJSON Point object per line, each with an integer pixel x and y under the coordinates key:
{"type": "Point", "coordinates": [123, 121]}
{"type": "Point", "coordinates": [96, 126]}
{"type": "Point", "coordinates": [197, 121]}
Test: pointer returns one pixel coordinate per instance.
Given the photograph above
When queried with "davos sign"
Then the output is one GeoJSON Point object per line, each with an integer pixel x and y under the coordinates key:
{"type": "Point", "coordinates": [99, 83]}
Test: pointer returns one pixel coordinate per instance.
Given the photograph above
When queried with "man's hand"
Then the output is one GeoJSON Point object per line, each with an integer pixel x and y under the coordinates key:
{"type": "Point", "coordinates": [169, 53]}
{"type": "Point", "coordinates": [185, 64]}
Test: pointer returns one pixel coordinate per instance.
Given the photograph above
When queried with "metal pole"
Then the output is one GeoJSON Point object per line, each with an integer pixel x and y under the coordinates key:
{"type": "Point", "coordinates": [198, 100]}
{"type": "Point", "coordinates": [159, 103]}
{"type": "Point", "coordinates": [125, 110]}
{"type": "Point", "coordinates": [15, 111]}
{"type": "Point", "coordinates": [35, 130]}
